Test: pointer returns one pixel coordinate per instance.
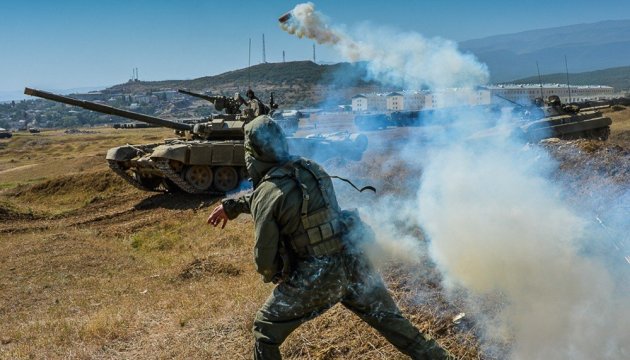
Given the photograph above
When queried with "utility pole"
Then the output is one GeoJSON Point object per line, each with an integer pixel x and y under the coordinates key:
{"type": "Point", "coordinates": [314, 58]}
{"type": "Point", "coordinates": [283, 59]}
{"type": "Point", "coordinates": [566, 67]}
{"type": "Point", "coordinates": [540, 81]}
{"type": "Point", "coordinates": [249, 65]}
{"type": "Point", "coordinates": [264, 53]}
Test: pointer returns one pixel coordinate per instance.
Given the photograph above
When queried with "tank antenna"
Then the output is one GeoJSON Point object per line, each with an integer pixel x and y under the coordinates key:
{"type": "Point", "coordinates": [249, 65]}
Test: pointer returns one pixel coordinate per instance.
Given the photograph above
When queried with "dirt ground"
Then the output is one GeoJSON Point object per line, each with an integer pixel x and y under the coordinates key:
{"type": "Point", "coordinates": [91, 267]}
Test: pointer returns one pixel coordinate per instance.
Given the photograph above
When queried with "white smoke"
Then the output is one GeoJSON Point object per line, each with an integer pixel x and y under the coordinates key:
{"type": "Point", "coordinates": [497, 224]}
{"type": "Point", "coordinates": [407, 59]}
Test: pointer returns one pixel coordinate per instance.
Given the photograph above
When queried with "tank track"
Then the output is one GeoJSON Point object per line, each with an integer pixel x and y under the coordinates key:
{"type": "Point", "coordinates": [168, 172]}
{"type": "Point", "coordinates": [113, 164]}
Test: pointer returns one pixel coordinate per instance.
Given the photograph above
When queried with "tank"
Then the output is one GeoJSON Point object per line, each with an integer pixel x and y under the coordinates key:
{"type": "Point", "coordinates": [206, 157]}
{"type": "Point", "coordinates": [547, 119]}
{"type": "Point", "coordinates": [288, 121]}
{"type": "Point", "coordinates": [5, 134]}
{"type": "Point", "coordinates": [382, 120]}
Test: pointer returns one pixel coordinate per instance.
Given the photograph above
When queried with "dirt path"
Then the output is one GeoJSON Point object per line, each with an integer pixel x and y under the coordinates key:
{"type": "Point", "coordinates": [23, 167]}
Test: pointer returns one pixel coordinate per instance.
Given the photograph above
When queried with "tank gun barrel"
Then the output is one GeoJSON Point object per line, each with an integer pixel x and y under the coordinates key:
{"type": "Point", "coordinates": [212, 99]}
{"type": "Point", "coordinates": [230, 105]}
{"type": "Point", "coordinates": [108, 109]}
{"type": "Point", "coordinates": [508, 100]}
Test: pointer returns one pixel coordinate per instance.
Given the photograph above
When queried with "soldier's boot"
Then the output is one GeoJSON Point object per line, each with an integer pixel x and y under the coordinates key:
{"type": "Point", "coordinates": [263, 351]}
{"type": "Point", "coordinates": [424, 348]}
{"type": "Point", "coordinates": [405, 337]}
{"type": "Point", "coordinates": [371, 301]}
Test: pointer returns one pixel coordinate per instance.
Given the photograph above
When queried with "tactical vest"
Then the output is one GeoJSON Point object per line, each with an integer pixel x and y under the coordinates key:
{"type": "Point", "coordinates": [321, 230]}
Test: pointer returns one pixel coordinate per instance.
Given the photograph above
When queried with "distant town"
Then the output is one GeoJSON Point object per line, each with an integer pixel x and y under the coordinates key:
{"type": "Point", "coordinates": [169, 104]}
{"type": "Point", "coordinates": [487, 95]}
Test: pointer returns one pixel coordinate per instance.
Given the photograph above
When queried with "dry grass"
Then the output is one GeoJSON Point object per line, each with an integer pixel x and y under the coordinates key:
{"type": "Point", "coordinates": [92, 268]}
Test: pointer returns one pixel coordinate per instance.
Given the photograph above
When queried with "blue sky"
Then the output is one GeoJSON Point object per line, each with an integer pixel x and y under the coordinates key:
{"type": "Point", "coordinates": [71, 44]}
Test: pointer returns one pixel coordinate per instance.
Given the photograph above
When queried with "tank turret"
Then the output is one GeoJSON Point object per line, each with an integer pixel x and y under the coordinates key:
{"type": "Point", "coordinates": [206, 157]}
{"type": "Point", "coordinates": [230, 105]}
{"type": "Point", "coordinates": [288, 122]}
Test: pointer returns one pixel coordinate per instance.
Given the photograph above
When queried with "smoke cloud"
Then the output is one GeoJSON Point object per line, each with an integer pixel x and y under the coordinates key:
{"type": "Point", "coordinates": [497, 224]}
{"type": "Point", "coordinates": [407, 59]}
{"type": "Point", "coordinates": [500, 225]}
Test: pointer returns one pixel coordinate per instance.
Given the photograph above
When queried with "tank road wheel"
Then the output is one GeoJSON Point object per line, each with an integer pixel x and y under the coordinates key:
{"type": "Point", "coordinates": [177, 166]}
{"type": "Point", "coordinates": [199, 176]}
{"type": "Point", "coordinates": [225, 178]}
{"type": "Point", "coordinates": [603, 133]}
{"type": "Point", "coordinates": [170, 186]}
{"type": "Point", "coordinates": [149, 182]}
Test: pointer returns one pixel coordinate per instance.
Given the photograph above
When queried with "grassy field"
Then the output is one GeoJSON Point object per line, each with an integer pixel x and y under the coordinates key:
{"type": "Point", "coordinates": [91, 267]}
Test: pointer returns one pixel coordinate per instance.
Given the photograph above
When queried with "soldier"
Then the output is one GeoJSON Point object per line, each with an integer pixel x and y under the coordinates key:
{"type": "Point", "coordinates": [309, 248]}
{"type": "Point", "coordinates": [255, 107]}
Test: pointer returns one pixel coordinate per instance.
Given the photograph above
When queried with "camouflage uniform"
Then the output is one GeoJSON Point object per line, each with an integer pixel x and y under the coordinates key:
{"type": "Point", "coordinates": [255, 107]}
{"type": "Point", "coordinates": [312, 249]}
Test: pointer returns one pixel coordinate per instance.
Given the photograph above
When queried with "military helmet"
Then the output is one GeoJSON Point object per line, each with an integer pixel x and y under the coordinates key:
{"type": "Point", "coordinates": [554, 100]}
{"type": "Point", "coordinates": [265, 140]}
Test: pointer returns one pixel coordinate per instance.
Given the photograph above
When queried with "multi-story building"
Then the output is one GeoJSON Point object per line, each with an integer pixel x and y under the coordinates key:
{"type": "Point", "coordinates": [525, 93]}
{"type": "Point", "coordinates": [491, 94]}
{"type": "Point", "coordinates": [406, 100]}
{"type": "Point", "coordinates": [394, 101]}
{"type": "Point", "coordinates": [454, 97]}
{"type": "Point", "coordinates": [369, 102]}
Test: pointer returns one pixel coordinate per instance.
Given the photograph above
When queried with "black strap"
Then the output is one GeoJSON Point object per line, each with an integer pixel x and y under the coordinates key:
{"type": "Point", "coordinates": [368, 187]}
{"type": "Point", "coordinates": [289, 165]}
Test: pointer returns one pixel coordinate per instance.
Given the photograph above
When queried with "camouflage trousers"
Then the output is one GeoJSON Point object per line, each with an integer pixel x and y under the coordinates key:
{"type": "Point", "coordinates": [319, 283]}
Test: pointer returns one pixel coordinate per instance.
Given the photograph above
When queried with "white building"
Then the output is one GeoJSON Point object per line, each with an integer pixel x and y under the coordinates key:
{"type": "Point", "coordinates": [369, 102]}
{"type": "Point", "coordinates": [454, 97]}
{"type": "Point", "coordinates": [394, 101]}
{"type": "Point", "coordinates": [359, 103]}
{"type": "Point", "coordinates": [525, 93]}
{"type": "Point", "coordinates": [405, 100]}
{"type": "Point", "coordinates": [492, 94]}
{"type": "Point", "coordinates": [414, 100]}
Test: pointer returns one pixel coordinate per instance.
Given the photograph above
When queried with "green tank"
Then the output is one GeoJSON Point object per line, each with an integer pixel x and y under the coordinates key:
{"type": "Point", "coordinates": [288, 121]}
{"type": "Point", "coordinates": [205, 157]}
{"type": "Point", "coordinates": [551, 118]}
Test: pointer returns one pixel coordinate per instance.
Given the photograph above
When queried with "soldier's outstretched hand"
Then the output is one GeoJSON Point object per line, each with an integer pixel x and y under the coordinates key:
{"type": "Point", "coordinates": [217, 216]}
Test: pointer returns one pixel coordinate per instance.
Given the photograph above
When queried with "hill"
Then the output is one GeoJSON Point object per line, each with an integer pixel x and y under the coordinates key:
{"type": "Point", "coordinates": [587, 47]}
{"type": "Point", "coordinates": [297, 83]}
{"type": "Point", "coordinates": [306, 84]}
{"type": "Point", "coordinates": [91, 267]}
{"type": "Point", "coordinates": [619, 78]}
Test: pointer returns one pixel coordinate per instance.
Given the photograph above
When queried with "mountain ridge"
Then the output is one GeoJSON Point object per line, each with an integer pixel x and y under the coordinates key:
{"type": "Point", "coordinates": [601, 50]}
{"type": "Point", "coordinates": [587, 47]}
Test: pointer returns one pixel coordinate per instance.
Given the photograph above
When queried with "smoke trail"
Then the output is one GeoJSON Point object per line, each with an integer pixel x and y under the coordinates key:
{"type": "Point", "coordinates": [408, 59]}
{"type": "Point", "coordinates": [498, 223]}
